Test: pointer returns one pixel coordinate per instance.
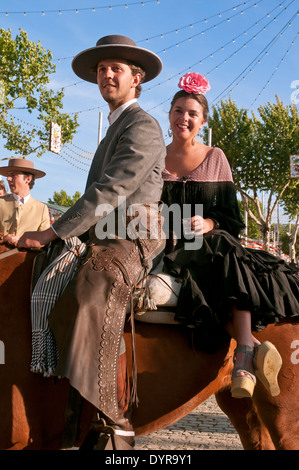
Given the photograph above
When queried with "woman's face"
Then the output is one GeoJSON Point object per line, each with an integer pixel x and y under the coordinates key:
{"type": "Point", "coordinates": [186, 118]}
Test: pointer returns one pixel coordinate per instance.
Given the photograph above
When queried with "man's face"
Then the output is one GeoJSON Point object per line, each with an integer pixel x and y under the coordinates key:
{"type": "Point", "coordinates": [18, 183]}
{"type": "Point", "coordinates": [116, 82]}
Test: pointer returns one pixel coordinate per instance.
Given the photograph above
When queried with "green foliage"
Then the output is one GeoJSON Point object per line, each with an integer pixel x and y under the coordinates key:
{"type": "Point", "coordinates": [290, 199]}
{"type": "Point", "coordinates": [63, 199]}
{"type": "Point", "coordinates": [233, 131]}
{"type": "Point", "coordinates": [25, 69]}
{"type": "Point", "coordinates": [276, 138]}
{"type": "Point", "coordinates": [258, 149]}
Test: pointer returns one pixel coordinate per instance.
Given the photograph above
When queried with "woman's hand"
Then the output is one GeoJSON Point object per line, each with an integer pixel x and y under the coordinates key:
{"type": "Point", "coordinates": [199, 225]}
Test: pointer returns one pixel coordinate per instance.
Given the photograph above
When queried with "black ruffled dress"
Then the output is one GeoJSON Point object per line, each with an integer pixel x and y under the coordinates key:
{"type": "Point", "coordinates": [222, 273]}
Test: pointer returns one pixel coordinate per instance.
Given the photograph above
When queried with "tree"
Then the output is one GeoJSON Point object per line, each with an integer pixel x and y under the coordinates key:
{"type": "Point", "coordinates": [258, 150]}
{"type": "Point", "coordinates": [288, 245]}
{"type": "Point", "coordinates": [25, 68]}
{"type": "Point", "coordinates": [290, 200]}
{"type": "Point", "coordinates": [62, 199]}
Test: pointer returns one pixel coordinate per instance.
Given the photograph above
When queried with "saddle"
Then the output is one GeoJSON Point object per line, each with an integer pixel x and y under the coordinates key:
{"type": "Point", "coordinates": [155, 298]}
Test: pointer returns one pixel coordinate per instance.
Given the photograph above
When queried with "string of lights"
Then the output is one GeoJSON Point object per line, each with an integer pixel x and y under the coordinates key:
{"type": "Point", "coordinates": [218, 49]}
{"type": "Point", "coordinates": [77, 10]}
{"type": "Point", "coordinates": [233, 40]}
{"type": "Point", "coordinates": [24, 123]}
{"type": "Point", "coordinates": [72, 154]}
{"type": "Point", "coordinates": [88, 110]}
{"type": "Point", "coordinates": [85, 155]}
{"type": "Point", "coordinates": [239, 49]}
{"type": "Point", "coordinates": [257, 59]}
{"type": "Point", "coordinates": [214, 26]}
{"type": "Point", "coordinates": [205, 20]}
{"type": "Point", "coordinates": [181, 28]}
{"type": "Point", "coordinates": [67, 154]}
{"type": "Point", "coordinates": [221, 48]}
{"type": "Point", "coordinates": [275, 70]}
{"type": "Point", "coordinates": [189, 26]}
{"type": "Point", "coordinates": [65, 148]}
{"type": "Point", "coordinates": [73, 164]}
{"type": "Point", "coordinates": [249, 40]}
{"type": "Point", "coordinates": [230, 135]}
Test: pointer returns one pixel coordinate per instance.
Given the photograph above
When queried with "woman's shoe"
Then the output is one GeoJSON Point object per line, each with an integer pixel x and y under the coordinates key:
{"type": "Point", "coordinates": [243, 379]}
{"type": "Point", "coordinates": [267, 363]}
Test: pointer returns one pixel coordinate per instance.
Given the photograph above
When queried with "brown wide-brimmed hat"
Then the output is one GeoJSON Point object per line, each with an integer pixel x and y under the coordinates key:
{"type": "Point", "coordinates": [119, 47]}
{"type": "Point", "coordinates": [20, 164]}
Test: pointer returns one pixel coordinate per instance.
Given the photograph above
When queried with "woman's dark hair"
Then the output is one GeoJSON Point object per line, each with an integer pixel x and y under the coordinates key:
{"type": "Point", "coordinates": [201, 99]}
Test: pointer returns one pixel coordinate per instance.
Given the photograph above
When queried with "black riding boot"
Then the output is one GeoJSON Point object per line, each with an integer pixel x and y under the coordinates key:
{"type": "Point", "coordinates": [118, 435]}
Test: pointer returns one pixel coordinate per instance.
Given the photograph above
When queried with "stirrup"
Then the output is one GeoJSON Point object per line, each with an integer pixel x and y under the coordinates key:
{"type": "Point", "coordinates": [110, 436]}
{"type": "Point", "coordinates": [267, 363]}
{"type": "Point", "coordinates": [243, 380]}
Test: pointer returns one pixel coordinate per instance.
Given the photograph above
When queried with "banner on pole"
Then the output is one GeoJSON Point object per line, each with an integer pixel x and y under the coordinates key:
{"type": "Point", "coordinates": [294, 166]}
{"type": "Point", "coordinates": [55, 138]}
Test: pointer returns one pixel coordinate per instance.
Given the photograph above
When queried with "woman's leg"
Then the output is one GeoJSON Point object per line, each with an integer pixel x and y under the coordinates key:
{"type": "Point", "coordinates": [250, 359]}
{"type": "Point", "coordinates": [241, 327]}
{"type": "Point", "coordinates": [243, 379]}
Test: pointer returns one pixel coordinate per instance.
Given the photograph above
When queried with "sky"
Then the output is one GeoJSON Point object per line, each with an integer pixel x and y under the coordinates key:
{"type": "Point", "coordinates": [248, 50]}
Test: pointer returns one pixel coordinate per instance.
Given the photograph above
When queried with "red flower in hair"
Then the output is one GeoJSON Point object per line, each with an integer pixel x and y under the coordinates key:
{"type": "Point", "coordinates": [194, 83]}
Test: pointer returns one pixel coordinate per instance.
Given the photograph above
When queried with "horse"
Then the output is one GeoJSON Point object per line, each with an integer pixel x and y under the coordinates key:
{"type": "Point", "coordinates": [173, 379]}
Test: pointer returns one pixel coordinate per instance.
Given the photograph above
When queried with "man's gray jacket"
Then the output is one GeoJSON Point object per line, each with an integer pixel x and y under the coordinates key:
{"type": "Point", "coordinates": [128, 162]}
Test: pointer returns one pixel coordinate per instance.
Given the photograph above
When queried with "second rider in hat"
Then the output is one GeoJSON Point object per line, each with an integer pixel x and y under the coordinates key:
{"type": "Point", "coordinates": [91, 311]}
{"type": "Point", "coordinates": [19, 212]}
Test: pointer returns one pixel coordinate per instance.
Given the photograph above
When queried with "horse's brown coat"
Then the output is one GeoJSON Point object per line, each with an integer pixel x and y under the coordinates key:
{"type": "Point", "coordinates": [172, 380]}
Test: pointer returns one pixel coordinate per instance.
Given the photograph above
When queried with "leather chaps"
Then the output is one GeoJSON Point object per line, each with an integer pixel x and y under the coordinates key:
{"type": "Point", "coordinates": [88, 319]}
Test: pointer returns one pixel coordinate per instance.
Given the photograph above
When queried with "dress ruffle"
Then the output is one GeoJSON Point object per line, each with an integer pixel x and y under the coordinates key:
{"type": "Point", "coordinates": [223, 273]}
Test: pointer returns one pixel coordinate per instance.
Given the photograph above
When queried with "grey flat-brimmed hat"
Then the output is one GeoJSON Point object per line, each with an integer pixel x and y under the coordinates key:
{"type": "Point", "coordinates": [22, 165]}
{"type": "Point", "coordinates": [115, 46]}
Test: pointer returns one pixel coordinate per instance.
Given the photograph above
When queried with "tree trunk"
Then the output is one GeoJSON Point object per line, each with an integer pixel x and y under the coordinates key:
{"type": "Point", "coordinates": [293, 239]}
{"type": "Point", "coordinates": [266, 239]}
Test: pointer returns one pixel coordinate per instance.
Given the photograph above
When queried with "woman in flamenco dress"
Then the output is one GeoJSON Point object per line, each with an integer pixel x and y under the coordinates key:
{"type": "Point", "coordinates": [226, 288]}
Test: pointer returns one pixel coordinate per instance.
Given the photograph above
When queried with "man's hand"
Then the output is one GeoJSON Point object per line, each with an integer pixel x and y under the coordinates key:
{"type": "Point", "coordinates": [36, 240]}
{"type": "Point", "coordinates": [11, 239]}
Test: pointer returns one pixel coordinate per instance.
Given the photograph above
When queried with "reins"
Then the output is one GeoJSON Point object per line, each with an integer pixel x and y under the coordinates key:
{"type": "Point", "coordinates": [9, 253]}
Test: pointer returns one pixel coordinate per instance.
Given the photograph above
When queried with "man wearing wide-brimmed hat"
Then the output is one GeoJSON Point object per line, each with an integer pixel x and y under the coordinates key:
{"type": "Point", "coordinates": [88, 319]}
{"type": "Point", "coordinates": [19, 212]}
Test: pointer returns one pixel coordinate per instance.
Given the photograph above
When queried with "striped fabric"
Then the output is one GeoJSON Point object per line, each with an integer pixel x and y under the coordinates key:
{"type": "Point", "coordinates": [48, 289]}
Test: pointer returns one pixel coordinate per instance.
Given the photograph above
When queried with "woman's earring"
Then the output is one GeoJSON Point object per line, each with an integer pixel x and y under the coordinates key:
{"type": "Point", "coordinates": [169, 132]}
